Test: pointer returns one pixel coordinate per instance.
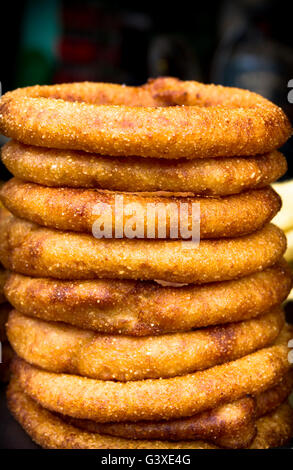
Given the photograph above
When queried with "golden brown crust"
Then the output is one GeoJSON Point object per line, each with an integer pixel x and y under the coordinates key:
{"type": "Point", "coordinates": [274, 429]}
{"type": "Point", "coordinates": [152, 400]}
{"type": "Point", "coordinates": [170, 91]}
{"type": "Point", "coordinates": [76, 209]}
{"type": "Point", "coordinates": [272, 398]}
{"type": "Point", "coordinates": [50, 431]}
{"type": "Point", "coordinates": [61, 348]}
{"type": "Point", "coordinates": [29, 249]}
{"type": "Point", "coordinates": [145, 308]}
{"type": "Point", "coordinates": [230, 425]}
{"type": "Point", "coordinates": [220, 121]}
{"type": "Point", "coordinates": [211, 176]}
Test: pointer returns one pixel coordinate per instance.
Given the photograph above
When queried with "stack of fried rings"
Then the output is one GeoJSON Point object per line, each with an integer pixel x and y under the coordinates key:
{"type": "Point", "coordinates": [130, 342]}
{"type": "Point", "coordinates": [6, 351]}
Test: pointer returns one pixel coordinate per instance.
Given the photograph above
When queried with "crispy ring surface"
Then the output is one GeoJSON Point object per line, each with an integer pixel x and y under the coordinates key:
{"type": "Point", "coordinates": [76, 209]}
{"type": "Point", "coordinates": [29, 249]}
{"type": "Point", "coordinates": [62, 348]}
{"type": "Point", "coordinates": [230, 425]}
{"type": "Point", "coordinates": [214, 121]}
{"type": "Point", "coordinates": [144, 308]}
{"type": "Point", "coordinates": [51, 432]}
{"type": "Point", "coordinates": [273, 397]}
{"type": "Point", "coordinates": [152, 400]}
{"type": "Point", "coordinates": [274, 429]}
{"type": "Point", "coordinates": [211, 176]}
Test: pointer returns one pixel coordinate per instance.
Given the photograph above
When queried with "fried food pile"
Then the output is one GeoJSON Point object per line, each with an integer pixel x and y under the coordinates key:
{"type": "Point", "coordinates": [6, 352]}
{"type": "Point", "coordinates": [127, 337]}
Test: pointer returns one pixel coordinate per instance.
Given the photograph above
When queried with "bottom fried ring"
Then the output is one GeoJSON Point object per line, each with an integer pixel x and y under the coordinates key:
{"type": "Point", "coordinates": [230, 425]}
{"type": "Point", "coordinates": [154, 400]}
{"type": "Point", "coordinates": [144, 308]}
{"type": "Point", "coordinates": [62, 348]}
{"type": "Point", "coordinates": [51, 432]}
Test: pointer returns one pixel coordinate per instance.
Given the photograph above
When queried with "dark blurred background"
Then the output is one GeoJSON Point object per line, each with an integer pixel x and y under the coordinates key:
{"type": "Point", "coordinates": [245, 43]}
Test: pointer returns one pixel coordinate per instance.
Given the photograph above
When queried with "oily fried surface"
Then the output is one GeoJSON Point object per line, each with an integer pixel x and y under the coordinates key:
{"type": "Point", "coordinates": [142, 308]}
{"type": "Point", "coordinates": [220, 121]}
{"type": "Point", "coordinates": [272, 398]}
{"type": "Point", "coordinates": [153, 400]}
{"type": "Point", "coordinates": [274, 429]}
{"type": "Point", "coordinates": [230, 425]}
{"type": "Point", "coordinates": [76, 209]}
{"type": "Point", "coordinates": [210, 176]}
{"type": "Point", "coordinates": [50, 431]}
{"type": "Point", "coordinates": [29, 249]}
{"type": "Point", "coordinates": [62, 348]}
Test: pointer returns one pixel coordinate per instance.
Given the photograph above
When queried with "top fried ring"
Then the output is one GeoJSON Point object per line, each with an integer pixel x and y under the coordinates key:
{"type": "Point", "coordinates": [165, 118]}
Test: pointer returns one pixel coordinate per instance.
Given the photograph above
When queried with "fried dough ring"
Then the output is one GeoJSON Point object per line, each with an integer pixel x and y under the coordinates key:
{"type": "Point", "coordinates": [50, 431]}
{"type": "Point", "coordinates": [214, 121]}
{"type": "Point", "coordinates": [145, 308]}
{"type": "Point", "coordinates": [29, 249]}
{"type": "Point", "coordinates": [230, 425]}
{"type": "Point", "coordinates": [62, 348]}
{"type": "Point", "coordinates": [75, 209]}
{"type": "Point", "coordinates": [153, 400]}
{"type": "Point", "coordinates": [212, 176]}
